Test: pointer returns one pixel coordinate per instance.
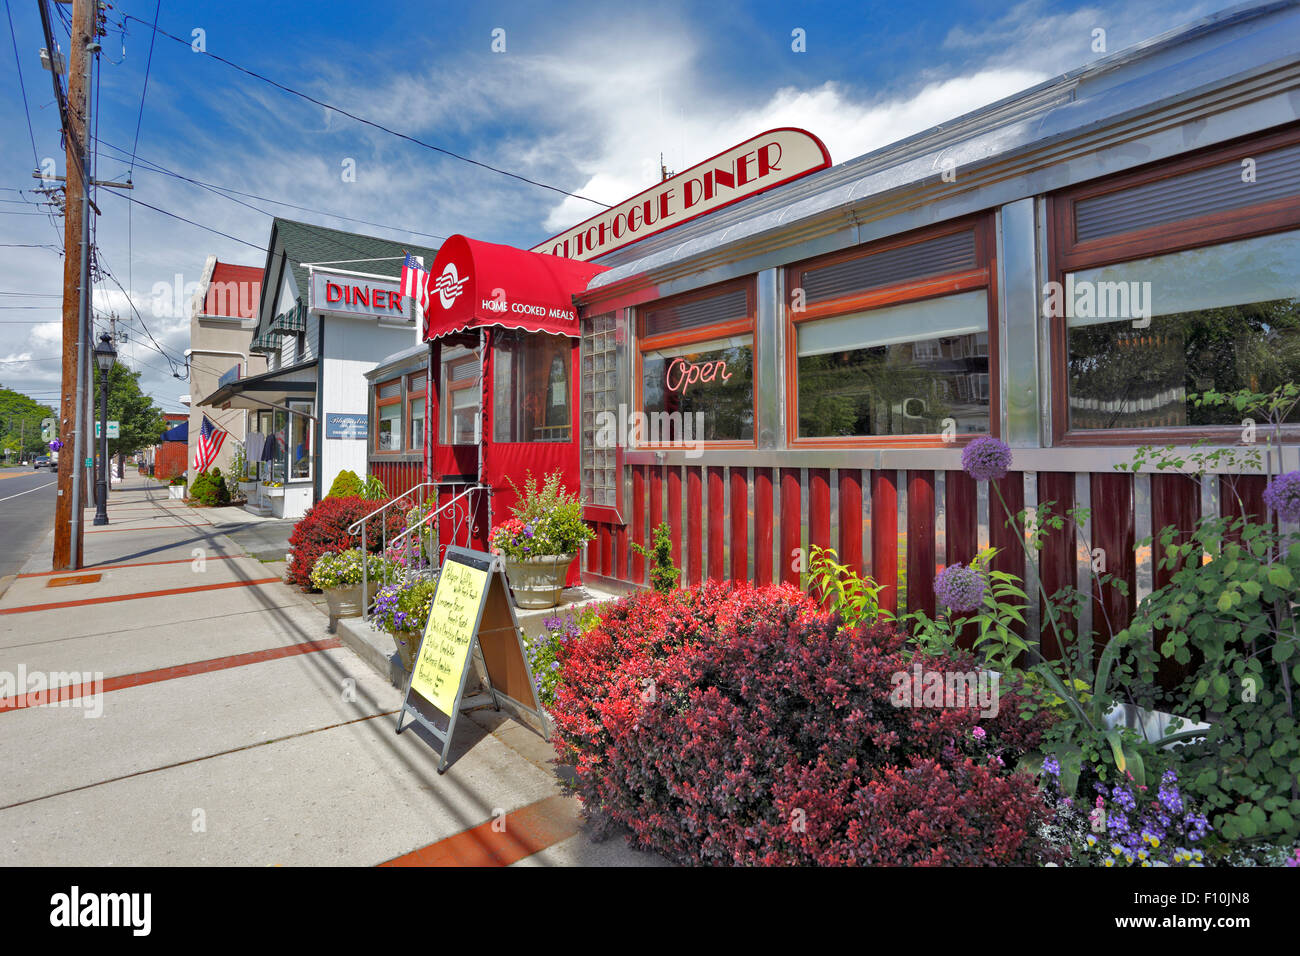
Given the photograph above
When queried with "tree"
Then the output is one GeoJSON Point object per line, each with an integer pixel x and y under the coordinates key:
{"type": "Point", "coordinates": [20, 423]}
{"type": "Point", "coordinates": [140, 420]}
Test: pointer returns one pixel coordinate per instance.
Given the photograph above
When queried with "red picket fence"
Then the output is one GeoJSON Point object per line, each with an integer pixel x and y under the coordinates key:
{"type": "Point", "coordinates": [902, 527]}
{"type": "Point", "coordinates": [398, 476]}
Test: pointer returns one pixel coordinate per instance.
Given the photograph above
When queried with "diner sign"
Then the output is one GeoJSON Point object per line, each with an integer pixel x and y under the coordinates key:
{"type": "Point", "coordinates": [471, 607]}
{"type": "Point", "coordinates": [771, 159]}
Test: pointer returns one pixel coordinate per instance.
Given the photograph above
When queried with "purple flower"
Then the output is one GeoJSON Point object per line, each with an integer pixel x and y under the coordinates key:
{"type": "Point", "coordinates": [1283, 495]}
{"type": "Point", "coordinates": [979, 734]}
{"type": "Point", "coordinates": [959, 587]}
{"type": "Point", "coordinates": [986, 458]}
{"type": "Point", "coordinates": [1051, 766]}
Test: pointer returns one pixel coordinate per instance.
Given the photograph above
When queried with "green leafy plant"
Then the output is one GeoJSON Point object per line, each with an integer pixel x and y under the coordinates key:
{"type": "Point", "coordinates": [547, 521]}
{"type": "Point", "coordinates": [346, 484]}
{"type": "Point", "coordinates": [372, 489]}
{"type": "Point", "coordinates": [854, 597]}
{"type": "Point", "coordinates": [209, 488]}
{"type": "Point", "coordinates": [664, 574]}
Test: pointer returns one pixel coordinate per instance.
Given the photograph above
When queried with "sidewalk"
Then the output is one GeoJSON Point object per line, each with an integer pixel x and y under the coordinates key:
{"type": "Point", "coordinates": [231, 728]}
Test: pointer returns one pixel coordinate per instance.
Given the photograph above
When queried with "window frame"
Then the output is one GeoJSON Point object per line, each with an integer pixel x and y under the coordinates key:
{"type": "Point", "coordinates": [649, 343]}
{"type": "Point", "coordinates": [1066, 254]}
{"type": "Point", "coordinates": [410, 395]}
{"type": "Point", "coordinates": [399, 399]}
{"type": "Point", "coordinates": [300, 408]}
{"type": "Point", "coordinates": [982, 276]}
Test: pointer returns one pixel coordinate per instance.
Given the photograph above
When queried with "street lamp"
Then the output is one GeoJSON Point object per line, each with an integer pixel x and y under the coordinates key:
{"type": "Point", "coordinates": [105, 356]}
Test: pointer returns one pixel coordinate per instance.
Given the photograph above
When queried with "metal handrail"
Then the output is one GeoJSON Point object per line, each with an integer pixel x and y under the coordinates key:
{"type": "Point", "coordinates": [361, 524]}
{"type": "Point", "coordinates": [386, 545]}
{"type": "Point", "coordinates": [433, 514]}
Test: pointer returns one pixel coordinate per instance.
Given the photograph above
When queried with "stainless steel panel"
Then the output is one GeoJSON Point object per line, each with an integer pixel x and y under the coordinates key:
{"type": "Point", "coordinates": [1033, 610]}
{"type": "Point", "coordinates": [769, 352]}
{"type": "Point", "coordinates": [1083, 552]}
{"type": "Point", "coordinates": [1018, 304]}
{"type": "Point", "coordinates": [1142, 519]}
{"type": "Point", "coordinates": [941, 519]}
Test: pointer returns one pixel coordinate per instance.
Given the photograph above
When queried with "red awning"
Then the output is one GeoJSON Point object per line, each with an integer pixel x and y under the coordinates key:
{"type": "Point", "coordinates": [474, 284]}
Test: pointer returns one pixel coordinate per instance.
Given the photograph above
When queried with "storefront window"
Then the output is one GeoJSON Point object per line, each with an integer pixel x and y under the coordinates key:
{"type": "Point", "coordinates": [415, 385]}
{"type": "Point", "coordinates": [697, 367]}
{"type": "Point", "coordinates": [388, 417]}
{"type": "Point", "coordinates": [892, 340]}
{"type": "Point", "coordinates": [299, 447]}
{"type": "Point", "coordinates": [1167, 291]}
{"type": "Point", "coordinates": [1154, 333]}
{"type": "Point", "coordinates": [459, 401]}
{"type": "Point", "coordinates": [900, 370]}
{"type": "Point", "coordinates": [530, 387]}
{"type": "Point", "coordinates": [599, 395]}
{"type": "Point", "coordinates": [711, 383]}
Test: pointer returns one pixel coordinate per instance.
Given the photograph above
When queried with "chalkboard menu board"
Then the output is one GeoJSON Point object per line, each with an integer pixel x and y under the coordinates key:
{"type": "Point", "coordinates": [472, 608]}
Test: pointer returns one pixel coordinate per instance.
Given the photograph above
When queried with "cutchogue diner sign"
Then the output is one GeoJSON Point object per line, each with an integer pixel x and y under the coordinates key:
{"type": "Point", "coordinates": [756, 165]}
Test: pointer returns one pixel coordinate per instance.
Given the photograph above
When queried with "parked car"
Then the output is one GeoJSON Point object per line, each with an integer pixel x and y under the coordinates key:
{"type": "Point", "coordinates": [42, 461]}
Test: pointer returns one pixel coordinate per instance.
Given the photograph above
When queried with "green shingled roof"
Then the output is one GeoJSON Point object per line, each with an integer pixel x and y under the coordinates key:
{"type": "Point", "coordinates": [303, 242]}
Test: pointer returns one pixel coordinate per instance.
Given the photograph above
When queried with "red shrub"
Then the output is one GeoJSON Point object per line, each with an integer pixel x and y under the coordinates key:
{"type": "Point", "coordinates": [324, 530]}
{"type": "Point", "coordinates": [744, 726]}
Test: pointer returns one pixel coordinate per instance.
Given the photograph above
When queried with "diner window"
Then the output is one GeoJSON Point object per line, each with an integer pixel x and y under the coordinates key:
{"type": "Point", "coordinates": [388, 414]}
{"type": "Point", "coordinates": [599, 402]}
{"type": "Point", "coordinates": [894, 342]}
{"type": "Point", "coordinates": [415, 387]}
{"type": "Point", "coordinates": [697, 367]}
{"type": "Point", "coordinates": [459, 402]}
{"type": "Point", "coordinates": [530, 387]}
{"type": "Point", "coordinates": [1167, 289]}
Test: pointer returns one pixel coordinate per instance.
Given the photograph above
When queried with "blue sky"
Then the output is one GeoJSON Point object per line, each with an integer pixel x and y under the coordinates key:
{"type": "Point", "coordinates": [585, 97]}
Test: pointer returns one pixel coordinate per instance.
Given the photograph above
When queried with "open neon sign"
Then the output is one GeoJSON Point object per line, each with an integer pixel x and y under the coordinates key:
{"type": "Point", "coordinates": [682, 374]}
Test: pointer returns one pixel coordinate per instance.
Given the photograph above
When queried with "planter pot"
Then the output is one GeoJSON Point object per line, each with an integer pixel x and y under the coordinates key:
{"type": "Point", "coordinates": [248, 489]}
{"type": "Point", "coordinates": [345, 602]}
{"type": "Point", "coordinates": [408, 643]}
{"type": "Point", "coordinates": [175, 491]}
{"type": "Point", "coordinates": [537, 582]}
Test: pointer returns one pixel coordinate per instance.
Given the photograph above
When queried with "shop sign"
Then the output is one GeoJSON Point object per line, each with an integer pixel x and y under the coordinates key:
{"type": "Point", "coordinates": [352, 295]}
{"type": "Point", "coordinates": [338, 425]}
{"type": "Point", "coordinates": [471, 606]}
{"type": "Point", "coordinates": [231, 375]}
{"type": "Point", "coordinates": [771, 159]}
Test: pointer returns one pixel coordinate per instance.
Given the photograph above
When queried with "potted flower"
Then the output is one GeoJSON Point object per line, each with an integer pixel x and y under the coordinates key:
{"type": "Point", "coordinates": [541, 541]}
{"type": "Point", "coordinates": [176, 487]}
{"type": "Point", "coordinates": [340, 575]}
{"type": "Point", "coordinates": [402, 610]}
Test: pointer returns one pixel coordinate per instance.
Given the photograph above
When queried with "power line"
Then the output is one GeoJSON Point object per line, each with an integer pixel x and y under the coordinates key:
{"type": "Point", "coordinates": [18, 63]}
{"type": "Point", "coordinates": [367, 122]}
{"type": "Point", "coordinates": [153, 167]}
{"type": "Point", "coordinates": [141, 202]}
{"type": "Point", "coordinates": [145, 89]}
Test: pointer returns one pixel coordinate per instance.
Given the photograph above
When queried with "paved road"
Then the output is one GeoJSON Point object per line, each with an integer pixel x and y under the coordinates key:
{"type": "Point", "coordinates": [26, 514]}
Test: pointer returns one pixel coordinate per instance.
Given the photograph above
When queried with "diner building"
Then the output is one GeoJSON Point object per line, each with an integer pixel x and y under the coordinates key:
{"type": "Point", "coordinates": [799, 361]}
{"type": "Point", "coordinates": [328, 310]}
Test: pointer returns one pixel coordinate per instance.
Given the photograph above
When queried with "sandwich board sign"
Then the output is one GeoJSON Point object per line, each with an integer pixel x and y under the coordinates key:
{"type": "Point", "coordinates": [472, 610]}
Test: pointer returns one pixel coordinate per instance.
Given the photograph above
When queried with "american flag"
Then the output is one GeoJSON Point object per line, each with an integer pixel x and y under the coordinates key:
{"type": "Point", "coordinates": [413, 280]}
{"type": "Point", "coordinates": [210, 439]}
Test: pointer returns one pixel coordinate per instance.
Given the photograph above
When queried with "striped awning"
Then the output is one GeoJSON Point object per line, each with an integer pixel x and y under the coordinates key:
{"type": "Point", "coordinates": [266, 342]}
{"type": "Point", "coordinates": [291, 320]}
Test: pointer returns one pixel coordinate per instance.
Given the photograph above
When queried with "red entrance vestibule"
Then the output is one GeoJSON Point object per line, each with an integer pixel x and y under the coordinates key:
{"type": "Point", "coordinates": [504, 337]}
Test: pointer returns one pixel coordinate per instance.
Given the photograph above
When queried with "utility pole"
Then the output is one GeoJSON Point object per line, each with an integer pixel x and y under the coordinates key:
{"type": "Point", "coordinates": [68, 512]}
